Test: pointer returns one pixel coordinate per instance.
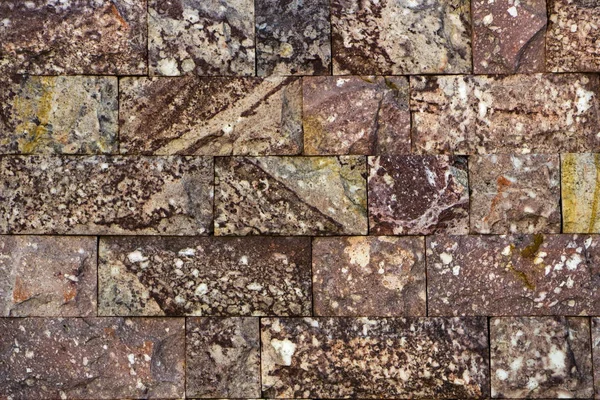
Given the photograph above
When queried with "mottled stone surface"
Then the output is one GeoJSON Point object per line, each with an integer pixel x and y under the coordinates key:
{"type": "Point", "coordinates": [580, 187]}
{"type": "Point", "coordinates": [369, 276]}
{"type": "Point", "coordinates": [595, 322]}
{"type": "Point", "coordinates": [202, 37]}
{"type": "Point", "coordinates": [47, 276]}
{"type": "Point", "coordinates": [543, 357]}
{"type": "Point", "coordinates": [106, 195]}
{"type": "Point", "coordinates": [418, 195]}
{"type": "Point", "coordinates": [42, 37]}
{"type": "Point", "coordinates": [211, 116]}
{"type": "Point", "coordinates": [573, 39]}
{"type": "Point", "coordinates": [518, 193]}
{"type": "Point", "coordinates": [513, 275]}
{"type": "Point", "coordinates": [223, 358]}
{"type": "Point", "coordinates": [356, 115]}
{"type": "Point", "coordinates": [540, 113]}
{"type": "Point", "coordinates": [389, 37]}
{"type": "Point", "coordinates": [204, 276]}
{"type": "Point", "coordinates": [291, 196]}
{"type": "Point", "coordinates": [508, 36]}
{"type": "Point", "coordinates": [374, 357]}
{"type": "Point", "coordinates": [92, 358]}
{"type": "Point", "coordinates": [293, 37]}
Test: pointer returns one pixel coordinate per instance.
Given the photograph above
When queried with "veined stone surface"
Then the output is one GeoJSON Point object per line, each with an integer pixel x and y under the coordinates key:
{"type": "Point", "coordinates": [211, 116]}
{"type": "Point", "coordinates": [580, 193]}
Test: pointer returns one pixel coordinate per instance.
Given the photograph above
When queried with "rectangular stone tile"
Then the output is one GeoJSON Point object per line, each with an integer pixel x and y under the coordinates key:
{"type": "Point", "coordinates": [513, 275]}
{"type": "Point", "coordinates": [540, 113]}
{"type": "Point", "coordinates": [374, 357]}
{"type": "Point", "coordinates": [541, 357]}
{"type": "Point", "coordinates": [356, 115]}
{"type": "Point", "coordinates": [41, 37]}
{"type": "Point", "coordinates": [245, 116]}
{"type": "Point", "coordinates": [204, 276]}
{"type": "Point", "coordinates": [291, 196]}
{"type": "Point", "coordinates": [106, 195]}
{"type": "Point", "coordinates": [595, 327]}
{"type": "Point", "coordinates": [92, 358]}
{"type": "Point", "coordinates": [201, 37]}
{"type": "Point", "coordinates": [580, 185]}
{"type": "Point", "coordinates": [369, 276]}
{"type": "Point", "coordinates": [517, 193]}
{"type": "Point", "coordinates": [418, 195]}
{"type": "Point", "coordinates": [47, 276]}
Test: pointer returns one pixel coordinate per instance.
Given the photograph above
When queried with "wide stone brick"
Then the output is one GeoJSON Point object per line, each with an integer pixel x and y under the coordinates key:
{"type": "Point", "coordinates": [580, 187]}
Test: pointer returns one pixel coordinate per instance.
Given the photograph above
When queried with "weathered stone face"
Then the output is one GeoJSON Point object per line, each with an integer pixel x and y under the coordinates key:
{"type": "Point", "coordinates": [356, 115]}
{"type": "Point", "coordinates": [580, 177]}
{"type": "Point", "coordinates": [595, 326]}
{"type": "Point", "coordinates": [544, 357]}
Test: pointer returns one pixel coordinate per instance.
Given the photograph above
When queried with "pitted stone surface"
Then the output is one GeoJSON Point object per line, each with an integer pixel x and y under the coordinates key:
{"type": "Point", "coordinates": [580, 186]}
{"type": "Point", "coordinates": [596, 353]}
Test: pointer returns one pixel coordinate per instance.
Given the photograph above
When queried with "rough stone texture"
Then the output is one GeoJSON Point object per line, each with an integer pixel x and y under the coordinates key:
{"type": "Point", "coordinates": [418, 195]}
{"type": "Point", "coordinates": [580, 187]}
{"type": "Point", "coordinates": [106, 195]}
{"type": "Point", "coordinates": [244, 116]}
{"type": "Point", "coordinates": [369, 276]}
{"type": "Point", "coordinates": [202, 37]}
{"type": "Point", "coordinates": [223, 358]}
{"type": "Point", "coordinates": [41, 37]}
{"type": "Point", "coordinates": [544, 357]}
{"type": "Point", "coordinates": [375, 357]}
{"type": "Point", "coordinates": [44, 276]}
{"type": "Point", "coordinates": [573, 39]}
{"type": "Point", "coordinates": [356, 115]}
{"type": "Point", "coordinates": [291, 196]}
{"type": "Point", "coordinates": [293, 37]}
{"type": "Point", "coordinates": [92, 358]}
{"type": "Point", "coordinates": [513, 275]}
{"type": "Point", "coordinates": [204, 276]}
{"type": "Point", "coordinates": [509, 36]}
{"type": "Point", "coordinates": [505, 114]}
{"type": "Point", "coordinates": [517, 193]}
{"type": "Point", "coordinates": [390, 37]}
{"type": "Point", "coordinates": [596, 353]}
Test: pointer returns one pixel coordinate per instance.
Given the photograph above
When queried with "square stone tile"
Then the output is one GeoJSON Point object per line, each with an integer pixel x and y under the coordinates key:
{"type": "Point", "coordinates": [580, 180]}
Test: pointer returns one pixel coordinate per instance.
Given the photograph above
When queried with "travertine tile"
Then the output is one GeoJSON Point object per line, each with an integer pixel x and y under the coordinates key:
{"type": "Point", "coordinates": [418, 195]}
{"type": "Point", "coordinates": [369, 276]}
{"type": "Point", "coordinates": [223, 358]}
{"type": "Point", "coordinates": [580, 180]}
{"type": "Point", "coordinates": [541, 357]}
{"type": "Point", "coordinates": [356, 115]}
{"type": "Point", "coordinates": [291, 196]}
{"type": "Point", "coordinates": [518, 193]}
{"type": "Point", "coordinates": [244, 116]}
{"type": "Point", "coordinates": [374, 357]}
{"type": "Point", "coordinates": [92, 358]}
{"type": "Point", "coordinates": [106, 195]}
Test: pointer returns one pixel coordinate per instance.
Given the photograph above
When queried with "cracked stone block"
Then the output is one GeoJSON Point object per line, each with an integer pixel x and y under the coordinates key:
{"type": "Point", "coordinates": [205, 276]}
{"type": "Point", "coordinates": [513, 275]}
{"type": "Point", "coordinates": [356, 115]}
{"type": "Point", "coordinates": [509, 36]}
{"type": "Point", "coordinates": [293, 37]}
{"type": "Point", "coordinates": [539, 113]}
{"type": "Point", "coordinates": [418, 195]}
{"type": "Point", "coordinates": [395, 38]}
{"type": "Point", "coordinates": [374, 357]}
{"type": "Point", "coordinates": [245, 116]}
{"type": "Point", "coordinates": [41, 37]}
{"type": "Point", "coordinates": [99, 195]}
{"type": "Point", "coordinates": [201, 37]}
{"type": "Point", "coordinates": [47, 276]}
{"type": "Point", "coordinates": [541, 357]}
{"type": "Point", "coordinates": [92, 358]}
{"type": "Point", "coordinates": [291, 196]}
{"type": "Point", "coordinates": [369, 276]}
{"type": "Point", "coordinates": [223, 358]}
{"type": "Point", "coordinates": [580, 187]}
{"type": "Point", "coordinates": [517, 193]}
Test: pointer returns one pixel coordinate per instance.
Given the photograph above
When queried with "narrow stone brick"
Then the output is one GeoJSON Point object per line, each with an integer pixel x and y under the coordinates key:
{"type": "Point", "coordinates": [541, 357]}
{"type": "Point", "coordinates": [580, 187]}
{"type": "Point", "coordinates": [291, 196]}
{"type": "Point", "coordinates": [356, 115]}
{"type": "Point", "coordinates": [595, 326]}
{"type": "Point", "coordinates": [245, 116]}
{"type": "Point", "coordinates": [515, 193]}
{"type": "Point", "coordinates": [106, 195]}
{"type": "Point", "coordinates": [375, 357]}
{"type": "Point", "coordinates": [92, 358]}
